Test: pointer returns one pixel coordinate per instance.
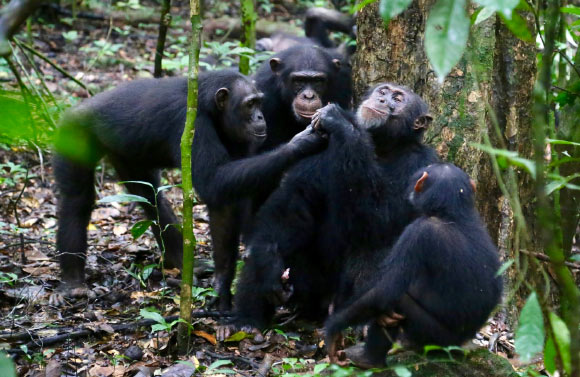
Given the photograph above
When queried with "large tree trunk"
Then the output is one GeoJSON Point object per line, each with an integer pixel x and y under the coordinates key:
{"type": "Point", "coordinates": [494, 79]}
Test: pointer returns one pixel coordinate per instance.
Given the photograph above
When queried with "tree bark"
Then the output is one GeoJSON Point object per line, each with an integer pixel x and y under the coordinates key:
{"type": "Point", "coordinates": [492, 85]}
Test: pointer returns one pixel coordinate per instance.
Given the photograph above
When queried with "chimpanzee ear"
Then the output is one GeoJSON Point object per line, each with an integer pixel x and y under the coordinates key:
{"type": "Point", "coordinates": [337, 63]}
{"type": "Point", "coordinates": [221, 97]}
{"type": "Point", "coordinates": [275, 64]}
{"type": "Point", "coordinates": [423, 122]}
{"type": "Point", "coordinates": [420, 182]}
{"type": "Point", "coordinates": [473, 185]}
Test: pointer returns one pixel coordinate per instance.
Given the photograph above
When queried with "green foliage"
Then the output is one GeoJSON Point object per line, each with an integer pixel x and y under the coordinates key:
{"type": "Point", "coordinates": [507, 158]}
{"type": "Point", "coordinates": [561, 335]}
{"type": "Point", "coordinates": [11, 174]}
{"type": "Point", "coordinates": [216, 368]}
{"type": "Point", "coordinates": [140, 227]}
{"type": "Point", "coordinates": [530, 333]}
{"type": "Point", "coordinates": [141, 273]}
{"type": "Point", "coordinates": [7, 368]}
{"type": "Point", "coordinates": [8, 278]}
{"type": "Point", "coordinates": [199, 294]}
{"type": "Point", "coordinates": [446, 35]}
{"type": "Point", "coordinates": [392, 8]}
{"type": "Point", "coordinates": [123, 198]}
{"type": "Point", "coordinates": [71, 35]}
{"type": "Point", "coordinates": [161, 324]}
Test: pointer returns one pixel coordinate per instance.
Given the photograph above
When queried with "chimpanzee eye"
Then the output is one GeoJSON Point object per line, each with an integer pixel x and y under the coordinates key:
{"type": "Point", "coordinates": [382, 92]}
{"type": "Point", "coordinates": [397, 97]}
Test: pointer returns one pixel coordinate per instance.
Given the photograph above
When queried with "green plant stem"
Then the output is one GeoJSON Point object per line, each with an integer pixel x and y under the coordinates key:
{"type": "Point", "coordinates": [248, 32]}
{"type": "Point", "coordinates": [188, 194]}
{"type": "Point", "coordinates": [547, 219]}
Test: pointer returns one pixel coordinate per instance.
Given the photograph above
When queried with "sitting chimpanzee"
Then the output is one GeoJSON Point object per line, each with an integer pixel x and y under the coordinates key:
{"type": "Point", "coordinates": [296, 82]}
{"type": "Point", "coordinates": [317, 24]}
{"type": "Point", "coordinates": [138, 126]}
{"type": "Point", "coordinates": [440, 275]}
{"type": "Point", "coordinates": [329, 206]}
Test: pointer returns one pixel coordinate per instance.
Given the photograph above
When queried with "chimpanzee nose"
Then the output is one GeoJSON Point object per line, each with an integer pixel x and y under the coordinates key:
{"type": "Point", "coordinates": [308, 94]}
{"type": "Point", "coordinates": [381, 100]}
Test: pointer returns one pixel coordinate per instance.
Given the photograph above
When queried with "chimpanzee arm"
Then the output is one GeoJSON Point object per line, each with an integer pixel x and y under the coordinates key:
{"type": "Point", "coordinates": [220, 180]}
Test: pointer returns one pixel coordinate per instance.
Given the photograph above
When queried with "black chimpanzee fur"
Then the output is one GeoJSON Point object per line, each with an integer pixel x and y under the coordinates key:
{"type": "Point", "coordinates": [138, 126]}
{"type": "Point", "coordinates": [331, 205]}
{"type": "Point", "coordinates": [440, 275]}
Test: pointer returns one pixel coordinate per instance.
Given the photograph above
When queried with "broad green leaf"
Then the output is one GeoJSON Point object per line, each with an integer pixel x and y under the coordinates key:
{"type": "Point", "coordinates": [140, 227]}
{"type": "Point", "coordinates": [504, 267]}
{"type": "Point", "coordinates": [148, 270]}
{"type": "Point", "coordinates": [530, 333]}
{"type": "Point", "coordinates": [511, 157]}
{"type": "Point", "coordinates": [144, 183]}
{"type": "Point", "coordinates": [518, 26]}
{"type": "Point", "coordinates": [575, 258]}
{"type": "Point", "coordinates": [166, 187]}
{"type": "Point", "coordinates": [561, 335]}
{"type": "Point", "coordinates": [6, 366]}
{"type": "Point", "coordinates": [240, 335]}
{"type": "Point", "coordinates": [503, 6]}
{"type": "Point", "coordinates": [392, 8]}
{"type": "Point", "coordinates": [446, 35]}
{"type": "Point", "coordinates": [320, 367]}
{"type": "Point", "coordinates": [550, 356]}
{"type": "Point", "coordinates": [361, 5]}
{"type": "Point", "coordinates": [483, 14]}
{"type": "Point", "coordinates": [152, 315]}
{"type": "Point", "coordinates": [123, 198]}
{"type": "Point", "coordinates": [402, 371]}
{"type": "Point", "coordinates": [571, 10]}
{"type": "Point", "coordinates": [158, 327]}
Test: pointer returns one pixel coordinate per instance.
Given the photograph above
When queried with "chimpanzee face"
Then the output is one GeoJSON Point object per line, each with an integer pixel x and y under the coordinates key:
{"type": "Point", "coordinates": [396, 108]}
{"type": "Point", "coordinates": [242, 116]}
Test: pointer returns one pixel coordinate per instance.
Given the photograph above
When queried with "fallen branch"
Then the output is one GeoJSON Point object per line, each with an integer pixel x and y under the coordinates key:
{"type": "Point", "coordinates": [85, 332]}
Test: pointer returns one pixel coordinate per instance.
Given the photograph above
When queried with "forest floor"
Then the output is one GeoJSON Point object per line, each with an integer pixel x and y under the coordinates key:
{"type": "Point", "coordinates": [96, 337]}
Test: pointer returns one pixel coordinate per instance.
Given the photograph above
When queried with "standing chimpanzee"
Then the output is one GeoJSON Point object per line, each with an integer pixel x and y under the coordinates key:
{"type": "Point", "coordinates": [296, 82]}
{"type": "Point", "coordinates": [331, 205]}
{"type": "Point", "coordinates": [440, 274]}
{"type": "Point", "coordinates": [317, 24]}
{"type": "Point", "coordinates": [138, 126]}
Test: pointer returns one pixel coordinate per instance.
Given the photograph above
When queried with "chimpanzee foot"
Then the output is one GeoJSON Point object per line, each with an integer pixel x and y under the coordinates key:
{"type": "Point", "coordinates": [359, 357]}
{"type": "Point", "coordinates": [226, 330]}
{"type": "Point", "coordinates": [67, 291]}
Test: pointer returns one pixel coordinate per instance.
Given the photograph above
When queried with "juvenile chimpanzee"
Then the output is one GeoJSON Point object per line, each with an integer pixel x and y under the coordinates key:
{"type": "Point", "coordinates": [296, 82]}
{"type": "Point", "coordinates": [317, 24]}
{"type": "Point", "coordinates": [329, 206]}
{"type": "Point", "coordinates": [440, 274]}
{"type": "Point", "coordinates": [138, 126]}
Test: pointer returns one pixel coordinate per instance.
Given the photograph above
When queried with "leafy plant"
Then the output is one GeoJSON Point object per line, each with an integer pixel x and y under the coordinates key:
{"type": "Point", "coordinates": [161, 324]}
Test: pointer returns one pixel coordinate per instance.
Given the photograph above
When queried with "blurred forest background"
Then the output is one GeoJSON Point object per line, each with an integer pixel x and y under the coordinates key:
{"type": "Point", "coordinates": [501, 77]}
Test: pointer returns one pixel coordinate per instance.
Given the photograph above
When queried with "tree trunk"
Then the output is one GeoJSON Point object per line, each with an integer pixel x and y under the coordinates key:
{"type": "Point", "coordinates": [492, 84]}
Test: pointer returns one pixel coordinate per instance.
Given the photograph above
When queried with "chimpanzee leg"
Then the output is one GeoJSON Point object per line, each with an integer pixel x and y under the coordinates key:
{"type": "Point", "coordinates": [77, 195]}
{"type": "Point", "coordinates": [225, 235]}
{"type": "Point", "coordinates": [168, 237]}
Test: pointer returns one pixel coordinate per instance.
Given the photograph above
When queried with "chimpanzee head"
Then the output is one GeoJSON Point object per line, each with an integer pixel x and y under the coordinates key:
{"type": "Point", "coordinates": [239, 107]}
{"type": "Point", "coordinates": [305, 75]}
{"type": "Point", "coordinates": [442, 189]}
{"type": "Point", "coordinates": [394, 112]}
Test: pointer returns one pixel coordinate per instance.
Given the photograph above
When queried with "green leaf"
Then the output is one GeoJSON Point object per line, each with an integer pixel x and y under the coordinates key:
{"type": "Point", "coordinates": [571, 10]}
{"type": "Point", "coordinates": [530, 333]}
{"type": "Point", "coordinates": [361, 5]}
{"type": "Point", "coordinates": [561, 334]}
{"type": "Point", "coordinates": [550, 356]}
{"type": "Point", "coordinates": [575, 258]}
{"type": "Point", "coordinates": [218, 363]}
{"type": "Point", "coordinates": [510, 156]}
{"type": "Point", "coordinates": [159, 327]}
{"type": "Point", "coordinates": [152, 315]}
{"type": "Point", "coordinates": [402, 371]}
{"type": "Point", "coordinates": [504, 6]}
{"type": "Point", "coordinates": [320, 367]}
{"type": "Point", "coordinates": [517, 26]}
{"type": "Point", "coordinates": [504, 267]}
{"type": "Point", "coordinates": [123, 198]}
{"type": "Point", "coordinates": [6, 366]}
{"type": "Point", "coordinates": [240, 335]}
{"type": "Point", "coordinates": [446, 35]}
{"type": "Point", "coordinates": [140, 227]}
{"type": "Point", "coordinates": [563, 142]}
{"type": "Point", "coordinates": [139, 183]}
{"type": "Point", "coordinates": [392, 8]}
{"type": "Point", "coordinates": [483, 14]}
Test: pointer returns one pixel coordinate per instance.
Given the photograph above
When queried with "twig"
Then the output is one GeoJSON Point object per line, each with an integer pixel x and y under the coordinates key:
{"type": "Point", "coordinates": [264, 369]}
{"type": "Point", "coordinates": [54, 65]}
{"type": "Point", "coordinates": [545, 258]}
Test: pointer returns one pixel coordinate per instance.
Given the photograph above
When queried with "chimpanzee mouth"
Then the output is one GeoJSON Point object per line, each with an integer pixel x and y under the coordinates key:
{"type": "Point", "coordinates": [305, 114]}
{"type": "Point", "coordinates": [260, 135]}
{"type": "Point", "coordinates": [384, 113]}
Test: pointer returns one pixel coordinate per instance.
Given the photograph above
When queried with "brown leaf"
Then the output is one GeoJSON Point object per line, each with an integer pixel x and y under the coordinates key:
{"type": "Point", "coordinates": [202, 334]}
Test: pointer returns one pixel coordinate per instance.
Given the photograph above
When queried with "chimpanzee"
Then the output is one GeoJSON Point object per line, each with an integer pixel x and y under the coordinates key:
{"type": "Point", "coordinates": [138, 126]}
{"type": "Point", "coordinates": [329, 206]}
{"type": "Point", "coordinates": [296, 82]}
{"type": "Point", "coordinates": [440, 275]}
{"type": "Point", "coordinates": [317, 24]}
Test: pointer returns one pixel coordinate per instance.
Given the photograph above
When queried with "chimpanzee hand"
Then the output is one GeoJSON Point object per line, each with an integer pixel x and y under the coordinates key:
{"type": "Point", "coordinates": [330, 120]}
{"type": "Point", "coordinates": [307, 141]}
